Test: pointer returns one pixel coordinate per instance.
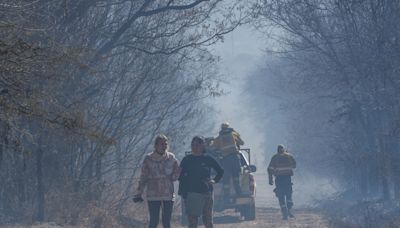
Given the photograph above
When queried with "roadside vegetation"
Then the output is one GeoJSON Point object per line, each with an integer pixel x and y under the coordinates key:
{"type": "Point", "coordinates": [330, 83]}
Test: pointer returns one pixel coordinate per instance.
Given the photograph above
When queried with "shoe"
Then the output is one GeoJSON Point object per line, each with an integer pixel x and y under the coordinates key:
{"type": "Point", "coordinates": [284, 211]}
{"type": "Point", "coordinates": [290, 212]}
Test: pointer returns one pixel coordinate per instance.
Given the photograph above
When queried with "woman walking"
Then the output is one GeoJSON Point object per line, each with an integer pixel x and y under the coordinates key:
{"type": "Point", "coordinates": [196, 184]}
{"type": "Point", "coordinates": [159, 170]}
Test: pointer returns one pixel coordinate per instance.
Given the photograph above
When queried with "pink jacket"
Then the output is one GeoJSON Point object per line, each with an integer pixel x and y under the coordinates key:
{"type": "Point", "coordinates": [158, 174]}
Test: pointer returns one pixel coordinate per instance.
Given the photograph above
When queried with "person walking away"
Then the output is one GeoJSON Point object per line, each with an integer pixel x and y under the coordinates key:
{"type": "Point", "coordinates": [159, 171]}
{"type": "Point", "coordinates": [196, 184]}
{"type": "Point", "coordinates": [281, 166]}
{"type": "Point", "coordinates": [228, 142]}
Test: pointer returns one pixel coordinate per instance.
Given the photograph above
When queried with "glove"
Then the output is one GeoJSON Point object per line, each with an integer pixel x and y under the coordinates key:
{"type": "Point", "coordinates": [137, 199]}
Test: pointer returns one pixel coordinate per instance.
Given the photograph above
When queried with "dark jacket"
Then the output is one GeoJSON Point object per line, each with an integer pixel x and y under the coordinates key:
{"type": "Point", "coordinates": [196, 174]}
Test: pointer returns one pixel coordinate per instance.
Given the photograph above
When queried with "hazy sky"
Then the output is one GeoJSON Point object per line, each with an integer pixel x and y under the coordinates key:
{"type": "Point", "coordinates": [240, 54]}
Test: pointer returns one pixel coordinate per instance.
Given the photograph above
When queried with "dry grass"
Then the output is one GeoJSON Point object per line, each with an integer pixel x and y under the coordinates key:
{"type": "Point", "coordinates": [266, 217]}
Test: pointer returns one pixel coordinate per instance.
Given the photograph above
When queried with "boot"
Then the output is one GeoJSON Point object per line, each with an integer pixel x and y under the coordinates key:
{"type": "Point", "coordinates": [284, 211]}
{"type": "Point", "coordinates": [290, 205]}
{"type": "Point", "coordinates": [290, 214]}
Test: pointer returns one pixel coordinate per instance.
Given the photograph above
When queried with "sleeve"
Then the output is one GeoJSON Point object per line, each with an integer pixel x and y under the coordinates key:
{"type": "Point", "coordinates": [176, 170]}
{"type": "Point", "coordinates": [182, 180]}
{"type": "Point", "coordinates": [217, 168]}
{"type": "Point", "coordinates": [293, 161]}
{"type": "Point", "coordinates": [239, 140]}
{"type": "Point", "coordinates": [182, 168]}
{"type": "Point", "coordinates": [144, 177]}
{"type": "Point", "coordinates": [271, 166]}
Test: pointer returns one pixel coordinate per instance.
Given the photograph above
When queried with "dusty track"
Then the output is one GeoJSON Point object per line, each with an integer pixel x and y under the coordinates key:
{"type": "Point", "coordinates": [268, 217]}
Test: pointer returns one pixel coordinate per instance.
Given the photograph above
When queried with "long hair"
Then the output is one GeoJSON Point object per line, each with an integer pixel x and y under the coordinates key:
{"type": "Point", "coordinates": [160, 137]}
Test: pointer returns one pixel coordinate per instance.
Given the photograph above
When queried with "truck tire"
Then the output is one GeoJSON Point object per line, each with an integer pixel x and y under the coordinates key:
{"type": "Point", "coordinates": [249, 212]}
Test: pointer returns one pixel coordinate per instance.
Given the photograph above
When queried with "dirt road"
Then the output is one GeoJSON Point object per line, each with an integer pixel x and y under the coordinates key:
{"type": "Point", "coordinates": [268, 214]}
{"type": "Point", "coordinates": [268, 217]}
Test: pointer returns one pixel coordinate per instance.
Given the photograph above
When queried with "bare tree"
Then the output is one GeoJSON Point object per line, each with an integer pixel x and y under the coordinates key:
{"type": "Point", "coordinates": [85, 86]}
{"type": "Point", "coordinates": [343, 72]}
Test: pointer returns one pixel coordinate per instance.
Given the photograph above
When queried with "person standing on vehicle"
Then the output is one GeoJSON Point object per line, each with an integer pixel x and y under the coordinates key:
{"type": "Point", "coordinates": [196, 184]}
{"type": "Point", "coordinates": [281, 166]}
{"type": "Point", "coordinates": [159, 171]}
{"type": "Point", "coordinates": [228, 142]}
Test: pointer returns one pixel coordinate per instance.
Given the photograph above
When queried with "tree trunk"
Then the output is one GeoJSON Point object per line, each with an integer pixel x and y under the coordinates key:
{"type": "Point", "coordinates": [384, 170]}
{"type": "Point", "coordinates": [397, 189]}
{"type": "Point", "coordinates": [40, 186]}
{"type": "Point", "coordinates": [1, 154]}
{"type": "Point", "coordinates": [118, 157]}
{"type": "Point", "coordinates": [98, 167]}
{"type": "Point", "coordinates": [385, 188]}
{"type": "Point", "coordinates": [364, 181]}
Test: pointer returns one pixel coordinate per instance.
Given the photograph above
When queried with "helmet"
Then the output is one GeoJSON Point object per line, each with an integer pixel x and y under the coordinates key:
{"type": "Point", "coordinates": [281, 147]}
{"type": "Point", "coordinates": [224, 125]}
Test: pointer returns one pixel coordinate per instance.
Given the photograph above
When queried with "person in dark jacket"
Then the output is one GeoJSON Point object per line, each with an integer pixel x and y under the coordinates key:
{"type": "Point", "coordinates": [196, 183]}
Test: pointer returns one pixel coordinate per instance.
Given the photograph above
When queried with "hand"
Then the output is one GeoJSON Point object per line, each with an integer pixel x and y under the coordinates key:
{"type": "Point", "coordinates": [211, 182]}
{"type": "Point", "coordinates": [184, 195]}
{"type": "Point", "coordinates": [271, 182]}
{"type": "Point", "coordinates": [137, 199]}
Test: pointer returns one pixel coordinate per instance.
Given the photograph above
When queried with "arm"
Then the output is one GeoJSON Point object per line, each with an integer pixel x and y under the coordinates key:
{"type": "Point", "coordinates": [270, 179]}
{"type": "Point", "coordinates": [182, 168]}
{"type": "Point", "coordinates": [176, 171]}
{"type": "Point", "coordinates": [182, 179]}
{"type": "Point", "coordinates": [271, 172]}
{"type": "Point", "coordinates": [144, 177]}
{"type": "Point", "coordinates": [293, 162]}
{"type": "Point", "coordinates": [238, 140]}
{"type": "Point", "coordinates": [217, 168]}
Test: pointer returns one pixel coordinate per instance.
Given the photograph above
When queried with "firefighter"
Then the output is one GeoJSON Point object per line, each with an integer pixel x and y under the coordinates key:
{"type": "Point", "coordinates": [281, 166]}
{"type": "Point", "coordinates": [228, 143]}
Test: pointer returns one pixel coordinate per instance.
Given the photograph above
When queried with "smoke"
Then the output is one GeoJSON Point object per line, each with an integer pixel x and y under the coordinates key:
{"type": "Point", "coordinates": [241, 55]}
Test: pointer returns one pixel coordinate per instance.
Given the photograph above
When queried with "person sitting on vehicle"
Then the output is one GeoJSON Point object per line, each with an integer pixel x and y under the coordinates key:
{"type": "Point", "coordinates": [281, 166]}
{"type": "Point", "coordinates": [228, 142]}
{"type": "Point", "coordinates": [196, 184]}
{"type": "Point", "coordinates": [159, 170]}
